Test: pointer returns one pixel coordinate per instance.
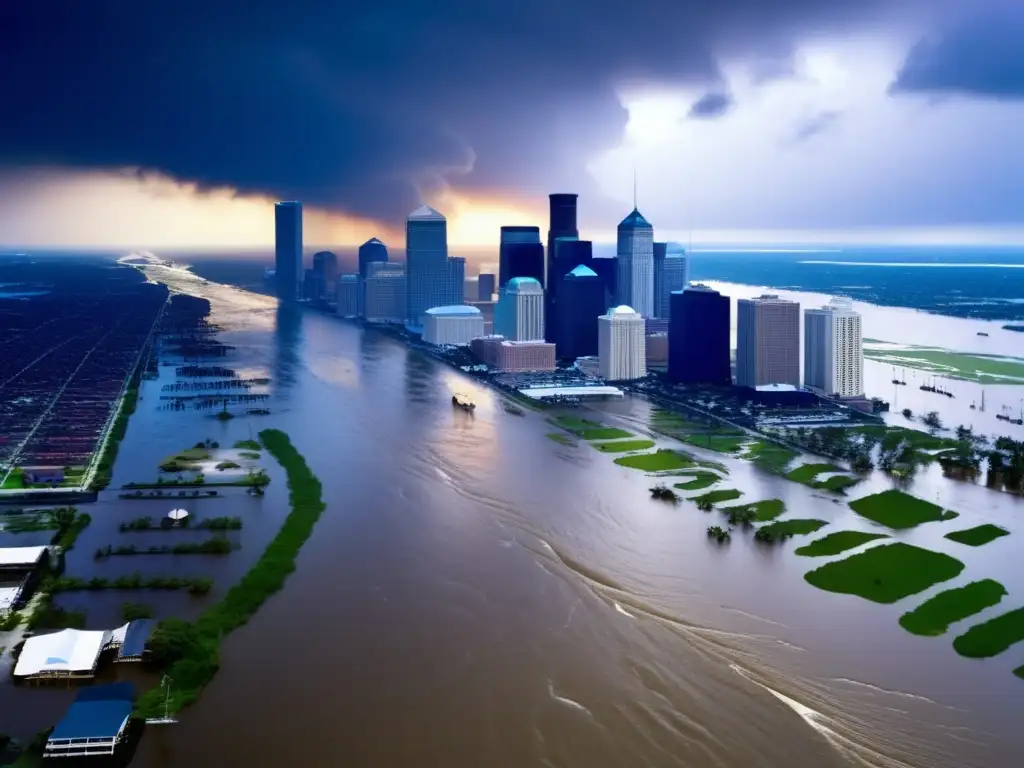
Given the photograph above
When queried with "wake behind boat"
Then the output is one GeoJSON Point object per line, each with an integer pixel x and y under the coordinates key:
{"type": "Point", "coordinates": [463, 402]}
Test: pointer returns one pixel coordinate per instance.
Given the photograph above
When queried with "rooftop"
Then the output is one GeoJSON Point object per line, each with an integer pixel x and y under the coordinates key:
{"type": "Point", "coordinates": [426, 213]}
{"type": "Point", "coordinates": [635, 219]}
{"type": "Point", "coordinates": [778, 388]}
{"type": "Point", "coordinates": [538, 392]}
{"type": "Point", "coordinates": [70, 650]}
{"type": "Point", "coordinates": [621, 311]}
{"type": "Point", "coordinates": [15, 556]}
{"type": "Point", "coordinates": [525, 285]}
{"type": "Point", "coordinates": [455, 309]}
{"type": "Point", "coordinates": [98, 712]}
{"type": "Point", "coordinates": [135, 638]}
{"type": "Point", "coordinates": [373, 241]}
{"type": "Point", "coordinates": [583, 271]}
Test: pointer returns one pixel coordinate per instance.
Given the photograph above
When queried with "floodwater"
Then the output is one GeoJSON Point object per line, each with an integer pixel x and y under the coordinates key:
{"type": "Point", "coordinates": [476, 594]}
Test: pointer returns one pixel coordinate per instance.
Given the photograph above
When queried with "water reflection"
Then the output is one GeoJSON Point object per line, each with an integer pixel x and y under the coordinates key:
{"type": "Point", "coordinates": [287, 346]}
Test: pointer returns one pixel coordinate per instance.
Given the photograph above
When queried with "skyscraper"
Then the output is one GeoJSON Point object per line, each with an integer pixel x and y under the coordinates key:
{"type": "Point", "coordinates": [671, 273]}
{"type": "Point", "coordinates": [520, 254]}
{"type": "Point", "coordinates": [432, 279]}
{"type": "Point", "coordinates": [568, 253]}
{"type": "Point", "coordinates": [348, 295]}
{"type": "Point", "coordinates": [581, 302]}
{"type": "Point", "coordinates": [767, 342]}
{"type": "Point", "coordinates": [519, 315]}
{"type": "Point", "coordinates": [372, 250]}
{"type": "Point", "coordinates": [622, 348]}
{"type": "Point", "coordinates": [635, 254]}
{"type": "Point", "coordinates": [561, 223]}
{"type": "Point", "coordinates": [384, 292]}
{"type": "Point", "coordinates": [834, 349]}
{"type": "Point", "coordinates": [698, 337]}
{"type": "Point", "coordinates": [288, 250]}
{"type": "Point", "coordinates": [485, 286]}
{"type": "Point", "coordinates": [325, 274]}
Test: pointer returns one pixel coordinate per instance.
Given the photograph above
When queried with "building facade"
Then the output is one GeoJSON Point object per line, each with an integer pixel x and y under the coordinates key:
{"type": "Point", "coordinates": [834, 349]}
{"type": "Point", "coordinates": [519, 314]}
{"type": "Point", "coordinates": [671, 274]}
{"type": "Point", "coordinates": [348, 295]}
{"type": "Point", "coordinates": [485, 349]}
{"type": "Point", "coordinates": [561, 223]}
{"type": "Point", "coordinates": [656, 350]}
{"type": "Point", "coordinates": [485, 287]}
{"type": "Point", "coordinates": [622, 351]}
{"type": "Point", "coordinates": [698, 337]}
{"type": "Point", "coordinates": [581, 302]}
{"type": "Point", "coordinates": [384, 293]}
{"type": "Point", "coordinates": [371, 252]}
{"type": "Point", "coordinates": [325, 274]}
{"type": "Point", "coordinates": [432, 279]}
{"type": "Point", "coordinates": [523, 356]}
{"type": "Point", "coordinates": [635, 255]}
{"type": "Point", "coordinates": [520, 254]}
{"type": "Point", "coordinates": [454, 325]}
{"type": "Point", "coordinates": [288, 250]}
{"type": "Point", "coordinates": [767, 342]}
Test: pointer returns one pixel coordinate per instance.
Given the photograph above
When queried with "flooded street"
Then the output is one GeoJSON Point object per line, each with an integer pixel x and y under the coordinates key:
{"type": "Point", "coordinates": [476, 594]}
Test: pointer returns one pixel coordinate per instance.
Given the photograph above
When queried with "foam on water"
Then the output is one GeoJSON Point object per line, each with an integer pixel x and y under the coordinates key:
{"type": "Point", "coordinates": [567, 701]}
{"type": "Point", "coordinates": [623, 611]}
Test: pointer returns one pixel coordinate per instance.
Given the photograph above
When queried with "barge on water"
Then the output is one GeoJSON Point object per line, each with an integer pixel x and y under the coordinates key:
{"type": "Point", "coordinates": [463, 402]}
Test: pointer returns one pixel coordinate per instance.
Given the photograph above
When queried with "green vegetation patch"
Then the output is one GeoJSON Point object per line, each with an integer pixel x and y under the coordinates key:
{"type": "Point", "coordinates": [252, 455]}
{"type": "Point", "coordinates": [978, 536]}
{"type": "Point", "coordinates": [992, 637]}
{"type": "Point", "coordinates": [785, 528]}
{"type": "Point", "coordinates": [14, 481]}
{"type": "Point", "coordinates": [769, 456]}
{"type": "Point", "coordinates": [604, 433]}
{"type": "Point", "coordinates": [985, 369]}
{"type": "Point", "coordinates": [887, 573]}
{"type": "Point", "coordinates": [624, 446]}
{"type": "Point", "coordinates": [715, 442]}
{"type": "Point", "coordinates": [561, 438]}
{"type": "Point", "coordinates": [660, 461]}
{"type": "Point", "coordinates": [248, 445]}
{"type": "Point", "coordinates": [763, 511]}
{"type": "Point", "coordinates": [700, 481]}
{"type": "Point", "coordinates": [837, 542]}
{"type": "Point", "coordinates": [807, 474]}
{"type": "Point", "coordinates": [191, 650]}
{"type": "Point", "coordinates": [135, 611]}
{"type": "Point", "coordinates": [105, 465]}
{"type": "Point", "coordinates": [1019, 672]}
{"type": "Point", "coordinates": [221, 466]}
{"type": "Point", "coordinates": [933, 617]}
{"type": "Point", "coordinates": [898, 510]}
{"type": "Point", "coordinates": [575, 423]}
{"type": "Point", "coordinates": [717, 497]}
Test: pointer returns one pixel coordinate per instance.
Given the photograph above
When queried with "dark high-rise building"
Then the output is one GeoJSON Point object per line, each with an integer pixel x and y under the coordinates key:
{"type": "Point", "coordinates": [288, 250]}
{"type": "Point", "coordinates": [607, 268]}
{"type": "Point", "coordinates": [581, 302]}
{"type": "Point", "coordinates": [325, 272]}
{"type": "Point", "coordinates": [310, 289]}
{"type": "Point", "coordinates": [561, 223]}
{"type": "Point", "coordinates": [568, 253]}
{"type": "Point", "coordinates": [698, 337]}
{"type": "Point", "coordinates": [370, 251]}
{"type": "Point", "coordinates": [485, 287]}
{"type": "Point", "coordinates": [432, 279]}
{"type": "Point", "coordinates": [520, 254]}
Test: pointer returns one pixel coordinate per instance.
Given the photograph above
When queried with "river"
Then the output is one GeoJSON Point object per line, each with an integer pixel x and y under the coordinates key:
{"type": "Point", "coordinates": [476, 594]}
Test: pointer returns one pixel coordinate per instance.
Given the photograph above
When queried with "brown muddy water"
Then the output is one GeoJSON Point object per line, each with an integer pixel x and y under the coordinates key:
{"type": "Point", "coordinates": [476, 594]}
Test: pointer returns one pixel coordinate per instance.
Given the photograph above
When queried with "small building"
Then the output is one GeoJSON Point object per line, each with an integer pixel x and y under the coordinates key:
{"type": "Point", "coordinates": [95, 723]}
{"type": "Point", "coordinates": [656, 346]}
{"type": "Point", "coordinates": [781, 396]}
{"type": "Point", "coordinates": [452, 325]}
{"type": "Point", "coordinates": [521, 356]}
{"type": "Point", "coordinates": [485, 349]}
{"type": "Point", "coordinates": [17, 565]}
{"type": "Point", "coordinates": [70, 653]}
{"type": "Point", "coordinates": [43, 475]}
{"type": "Point", "coordinates": [133, 637]}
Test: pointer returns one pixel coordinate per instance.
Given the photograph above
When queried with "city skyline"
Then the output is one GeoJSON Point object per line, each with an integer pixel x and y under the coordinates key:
{"type": "Point", "coordinates": [886, 123]}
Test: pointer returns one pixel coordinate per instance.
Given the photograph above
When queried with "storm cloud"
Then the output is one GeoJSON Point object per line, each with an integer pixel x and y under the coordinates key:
{"type": "Point", "coordinates": [360, 107]}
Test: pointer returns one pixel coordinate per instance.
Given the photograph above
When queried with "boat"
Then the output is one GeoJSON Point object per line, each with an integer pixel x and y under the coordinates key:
{"type": "Point", "coordinates": [982, 333]}
{"type": "Point", "coordinates": [165, 683]}
{"type": "Point", "coordinates": [463, 402]}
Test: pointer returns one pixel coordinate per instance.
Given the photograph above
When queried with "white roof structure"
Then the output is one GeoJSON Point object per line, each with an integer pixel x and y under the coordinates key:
{"type": "Point", "coordinates": [426, 213]}
{"type": "Point", "coordinates": [12, 557]}
{"type": "Point", "coordinates": [538, 392]}
{"type": "Point", "coordinates": [8, 596]}
{"type": "Point", "coordinates": [178, 514]}
{"type": "Point", "coordinates": [454, 310]}
{"type": "Point", "coordinates": [622, 309]}
{"type": "Point", "coordinates": [69, 651]}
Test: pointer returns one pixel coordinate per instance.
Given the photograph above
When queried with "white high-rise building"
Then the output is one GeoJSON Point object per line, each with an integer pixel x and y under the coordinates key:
{"type": "Point", "coordinates": [635, 265]}
{"type": "Point", "coordinates": [622, 348]}
{"type": "Point", "coordinates": [834, 349]}
{"type": "Point", "coordinates": [519, 315]}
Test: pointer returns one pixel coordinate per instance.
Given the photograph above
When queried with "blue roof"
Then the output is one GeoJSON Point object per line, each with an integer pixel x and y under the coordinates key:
{"type": "Point", "coordinates": [135, 638]}
{"type": "Point", "coordinates": [635, 219]}
{"type": "Point", "coordinates": [583, 271]}
{"type": "Point", "coordinates": [98, 712]}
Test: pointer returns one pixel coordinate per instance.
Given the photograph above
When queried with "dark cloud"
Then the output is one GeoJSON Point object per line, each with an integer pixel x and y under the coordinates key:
{"type": "Point", "coordinates": [980, 58]}
{"type": "Point", "coordinates": [710, 105]}
{"type": "Point", "coordinates": [351, 105]}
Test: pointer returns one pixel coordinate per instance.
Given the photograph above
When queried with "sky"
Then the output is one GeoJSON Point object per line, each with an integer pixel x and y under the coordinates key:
{"type": "Point", "coordinates": [177, 123]}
